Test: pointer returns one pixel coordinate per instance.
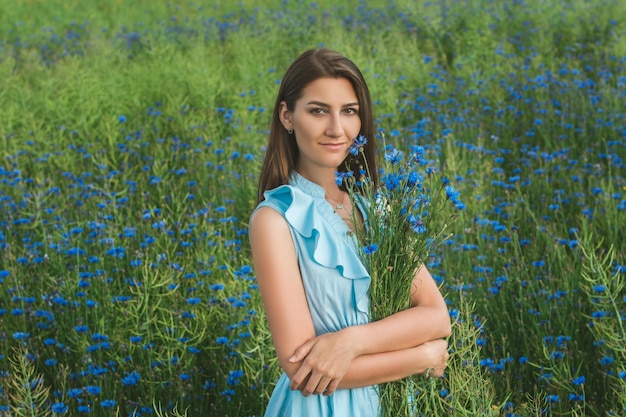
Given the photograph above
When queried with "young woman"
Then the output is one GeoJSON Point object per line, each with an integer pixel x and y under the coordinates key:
{"type": "Point", "coordinates": [313, 285]}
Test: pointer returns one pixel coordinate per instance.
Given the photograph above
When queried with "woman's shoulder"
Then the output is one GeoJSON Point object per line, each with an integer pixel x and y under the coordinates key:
{"type": "Point", "coordinates": [266, 220]}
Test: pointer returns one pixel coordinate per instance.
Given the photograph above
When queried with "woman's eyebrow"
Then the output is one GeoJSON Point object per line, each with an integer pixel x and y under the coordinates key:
{"type": "Point", "coordinates": [319, 103]}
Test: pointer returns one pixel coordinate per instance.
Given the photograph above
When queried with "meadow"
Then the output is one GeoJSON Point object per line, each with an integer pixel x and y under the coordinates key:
{"type": "Point", "coordinates": [131, 136]}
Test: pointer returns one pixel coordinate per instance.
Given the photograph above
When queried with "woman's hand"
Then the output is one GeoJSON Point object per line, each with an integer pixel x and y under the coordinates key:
{"type": "Point", "coordinates": [434, 355]}
{"type": "Point", "coordinates": [324, 361]}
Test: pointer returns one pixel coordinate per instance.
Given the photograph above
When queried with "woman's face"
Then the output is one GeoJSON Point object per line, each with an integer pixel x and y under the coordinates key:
{"type": "Point", "coordinates": [325, 122]}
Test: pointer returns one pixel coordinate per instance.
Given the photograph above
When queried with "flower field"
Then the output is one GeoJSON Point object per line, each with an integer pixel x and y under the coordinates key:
{"type": "Point", "coordinates": [131, 136]}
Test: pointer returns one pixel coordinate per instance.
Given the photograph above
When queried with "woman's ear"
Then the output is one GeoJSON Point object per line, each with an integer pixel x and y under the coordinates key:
{"type": "Point", "coordinates": [285, 116]}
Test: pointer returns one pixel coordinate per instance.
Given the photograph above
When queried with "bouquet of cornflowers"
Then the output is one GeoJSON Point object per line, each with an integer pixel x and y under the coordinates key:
{"type": "Point", "coordinates": [407, 213]}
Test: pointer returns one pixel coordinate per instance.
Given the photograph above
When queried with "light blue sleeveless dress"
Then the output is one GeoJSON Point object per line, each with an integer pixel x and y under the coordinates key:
{"type": "Point", "coordinates": [337, 290]}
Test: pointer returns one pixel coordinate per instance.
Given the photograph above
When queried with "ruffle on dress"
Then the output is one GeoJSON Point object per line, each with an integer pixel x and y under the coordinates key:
{"type": "Point", "coordinates": [323, 231]}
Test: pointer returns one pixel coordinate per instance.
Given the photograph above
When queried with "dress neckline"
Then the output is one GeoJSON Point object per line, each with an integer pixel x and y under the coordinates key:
{"type": "Point", "coordinates": [307, 186]}
{"type": "Point", "coordinates": [318, 193]}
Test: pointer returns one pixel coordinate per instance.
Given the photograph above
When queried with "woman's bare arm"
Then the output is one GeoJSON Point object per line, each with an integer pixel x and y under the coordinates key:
{"type": "Point", "coordinates": [278, 276]}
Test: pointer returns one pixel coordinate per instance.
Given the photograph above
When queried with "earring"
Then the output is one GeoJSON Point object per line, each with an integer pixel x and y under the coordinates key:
{"type": "Point", "coordinates": [290, 131]}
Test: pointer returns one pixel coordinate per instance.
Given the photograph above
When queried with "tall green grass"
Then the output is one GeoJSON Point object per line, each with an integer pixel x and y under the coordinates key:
{"type": "Point", "coordinates": [131, 135]}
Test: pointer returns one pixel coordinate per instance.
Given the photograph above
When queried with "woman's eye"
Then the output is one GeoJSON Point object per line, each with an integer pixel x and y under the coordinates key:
{"type": "Point", "coordinates": [351, 111]}
{"type": "Point", "coordinates": [318, 111]}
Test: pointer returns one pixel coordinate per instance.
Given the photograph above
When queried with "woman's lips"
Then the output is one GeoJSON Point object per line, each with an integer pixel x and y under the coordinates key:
{"type": "Point", "coordinates": [334, 146]}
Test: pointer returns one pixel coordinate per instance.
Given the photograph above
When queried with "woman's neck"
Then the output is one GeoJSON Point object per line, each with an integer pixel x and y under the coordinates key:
{"type": "Point", "coordinates": [325, 179]}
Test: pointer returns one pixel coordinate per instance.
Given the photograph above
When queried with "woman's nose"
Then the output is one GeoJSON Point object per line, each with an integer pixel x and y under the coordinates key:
{"type": "Point", "coordinates": [334, 128]}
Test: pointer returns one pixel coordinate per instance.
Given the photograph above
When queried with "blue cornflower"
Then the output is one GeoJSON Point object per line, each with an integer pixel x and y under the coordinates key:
{"type": "Point", "coordinates": [394, 156]}
{"type": "Point", "coordinates": [416, 224]}
{"type": "Point", "coordinates": [209, 385]}
{"type": "Point", "coordinates": [93, 389]}
{"type": "Point", "coordinates": [579, 380]}
{"type": "Point", "coordinates": [562, 341]}
{"type": "Point", "coordinates": [358, 143]}
{"type": "Point", "coordinates": [99, 337]}
{"type": "Point", "coordinates": [131, 378]}
{"type": "Point", "coordinates": [556, 355]}
{"type": "Point", "coordinates": [599, 288]}
{"type": "Point", "coordinates": [391, 181]}
{"type": "Point", "coordinates": [545, 376]}
{"type": "Point", "coordinates": [234, 377]}
{"type": "Point", "coordinates": [340, 177]}
{"type": "Point", "coordinates": [553, 398]}
{"type": "Point", "coordinates": [413, 179]}
{"type": "Point", "coordinates": [108, 403]}
{"type": "Point", "coordinates": [21, 335]}
{"type": "Point", "coordinates": [418, 155]}
{"type": "Point", "coordinates": [228, 393]}
{"type": "Point", "coordinates": [598, 314]}
{"type": "Point", "coordinates": [606, 360]}
{"type": "Point", "coordinates": [74, 392]}
{"type": "Point", "coordinates": [370, 249]}
{"type": "Point", "coordinates": [452, 193]}
{"type": "Point", "coordinates": [59, 408]}
{"type": "Point", "coordinates": [459, 205]}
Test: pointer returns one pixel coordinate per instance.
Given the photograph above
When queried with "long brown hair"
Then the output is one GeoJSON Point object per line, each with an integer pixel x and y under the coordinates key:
{"type": "Point", "coordinates": [282, 151]}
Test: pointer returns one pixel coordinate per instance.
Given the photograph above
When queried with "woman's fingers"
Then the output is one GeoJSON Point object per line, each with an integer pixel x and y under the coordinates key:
{"type": "Point", "coordinates": [303, 350]}
{"type": "Point", "coordinates": [436, 372]}
{"type": "Point", "coordinates": [324, 360]}
{"type": "Point", "coordinates": [439, 359]}
{"type": "Point", "coordinates": [316, 384]}
{"type": "Point", "coordinates": [332, 387]}
{"type": "Point", "coordinates": [322, 386]}
{"type": "Point", "coordinates": [301, 378]}
{"type": "Point", "coordinates": [307, 381]}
